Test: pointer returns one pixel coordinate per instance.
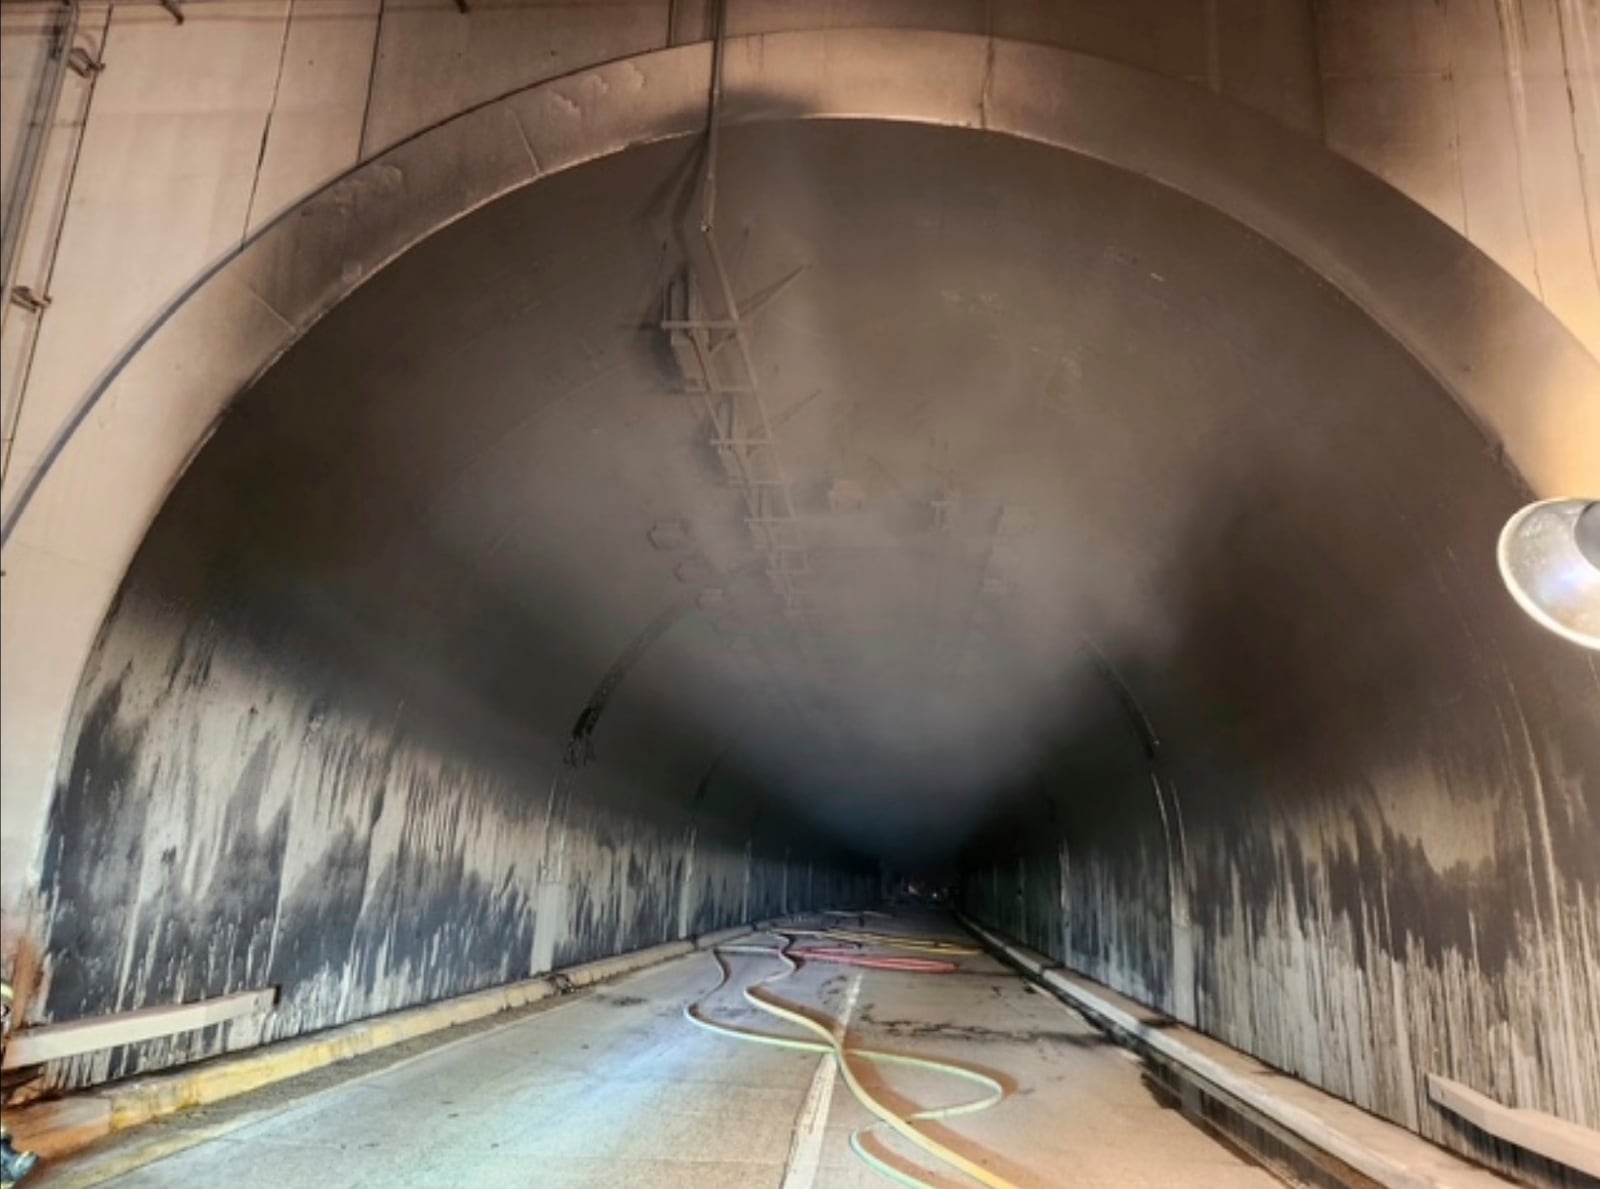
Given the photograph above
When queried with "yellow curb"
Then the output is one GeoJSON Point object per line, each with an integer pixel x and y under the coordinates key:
{"type": "Point", "coordinates": [55, 1128]}
{"type": "Point", "coordinates": [63, 1126]}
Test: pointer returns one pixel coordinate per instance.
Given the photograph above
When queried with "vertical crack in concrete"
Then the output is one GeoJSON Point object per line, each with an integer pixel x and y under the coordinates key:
{"type": "Point", "coordinates": [1509, 17]}
{"type": "Point", "coordinates": [987, 87]}
{"type": "Point", "coordinates": [1567, 10]}
{"type": "Point", "coordinates": [372, 81]}
{"type": "Point", "coordinates": [266, 125]}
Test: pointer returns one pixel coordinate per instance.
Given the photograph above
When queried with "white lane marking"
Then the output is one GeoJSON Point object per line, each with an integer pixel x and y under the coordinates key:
{"type": "Point", "coordinates": [805, 1151]}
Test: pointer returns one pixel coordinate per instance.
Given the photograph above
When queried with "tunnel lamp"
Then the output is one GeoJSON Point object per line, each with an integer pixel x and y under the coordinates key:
{"type": "Point", "coordinates": [1550, 561]}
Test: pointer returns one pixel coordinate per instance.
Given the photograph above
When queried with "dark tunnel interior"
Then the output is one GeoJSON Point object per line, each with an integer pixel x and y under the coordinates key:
{"type": "Point", "coordinates": [1151, 591]}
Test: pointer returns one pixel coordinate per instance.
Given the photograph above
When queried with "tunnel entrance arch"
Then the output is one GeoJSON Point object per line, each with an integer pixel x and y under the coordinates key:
{"type": "Point", "coordinates": [75, 521]}
{"type": "Point", "coordinates": [1535, 401]}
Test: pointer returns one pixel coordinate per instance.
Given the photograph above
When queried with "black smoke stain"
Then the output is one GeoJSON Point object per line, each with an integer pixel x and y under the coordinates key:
{"type": "Point", "coordinates": [579, 750]}
{"type": "Point", "coordinates": [611, 1000]}
{"type": "Point", "coordinates": [978, 1034]}
{"type": "Point", "coordinates": [214, 940]}
{"type": "Point", "coordinates": [616, 853]}
{"type": "Point", "coordinates": [432, 926]}
{"type": "Point", "coordinates": [317, 922]}
{"type": "Point", "coordinates": [95, 847]}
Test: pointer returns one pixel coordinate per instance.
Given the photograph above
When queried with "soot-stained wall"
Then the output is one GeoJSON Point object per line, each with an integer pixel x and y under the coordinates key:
{"type": "Point", "coordinates": [1379, 858]}
{"type": "Point", "coordinates": [1126, 531]}
{"type": "Point", "coordinates": [248, 805]}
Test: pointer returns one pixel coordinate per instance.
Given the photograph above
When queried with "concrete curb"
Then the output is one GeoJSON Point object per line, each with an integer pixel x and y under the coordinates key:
{"type": "Point", "coordinates": [60, 1127]}
{"type": "Point", "coordinates": [1383, 1167]}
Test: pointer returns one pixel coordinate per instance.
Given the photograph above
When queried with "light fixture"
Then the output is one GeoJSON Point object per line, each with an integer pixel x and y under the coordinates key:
{"type": "Point", "coordinates": [1550, 561]}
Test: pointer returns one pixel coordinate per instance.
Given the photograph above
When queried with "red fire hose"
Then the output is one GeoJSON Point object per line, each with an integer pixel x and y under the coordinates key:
{"type": "Point", "coordinates": [849, 957]}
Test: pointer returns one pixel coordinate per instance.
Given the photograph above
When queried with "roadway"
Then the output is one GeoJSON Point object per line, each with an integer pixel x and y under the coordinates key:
{"type": "Point", "coordinates": [615, 1087]}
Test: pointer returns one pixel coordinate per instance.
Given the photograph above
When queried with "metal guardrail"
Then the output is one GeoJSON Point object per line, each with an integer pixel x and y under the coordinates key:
{"type": "Point", "coordinates": [1378, 1166]}
{"type": "Point", "coordinates": [1543, 1135]}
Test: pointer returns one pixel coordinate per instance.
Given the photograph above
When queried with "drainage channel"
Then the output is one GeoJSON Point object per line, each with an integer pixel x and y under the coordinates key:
{"type": "Point", "coordinates": [1240, 1127]}
{"type": "Point", "coordinates": [1232, 1123]}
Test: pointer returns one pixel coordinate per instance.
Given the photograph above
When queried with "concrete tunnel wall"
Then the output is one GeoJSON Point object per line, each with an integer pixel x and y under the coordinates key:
{"type": "Point", "coordinates": [1244, 860]}
{"type": "Point", "coordinates": [277, 780]}
{"type": "Point", "coordinates": [325, 744]}
{"type": "Point", "coordinates": [1303, 883]}
{"type": "Point", "coordinates": [1282, 760]}
{"type": "Point", "coordinates": [1485, 113]}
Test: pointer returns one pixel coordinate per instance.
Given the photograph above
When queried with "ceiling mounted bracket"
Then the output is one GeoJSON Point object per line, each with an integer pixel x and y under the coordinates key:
{"type": "Point", "coordinates": [84, 64]}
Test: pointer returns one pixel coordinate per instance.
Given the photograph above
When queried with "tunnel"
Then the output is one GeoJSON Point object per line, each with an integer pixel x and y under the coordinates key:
{"type": "Point", "coordinates": [720, 528]}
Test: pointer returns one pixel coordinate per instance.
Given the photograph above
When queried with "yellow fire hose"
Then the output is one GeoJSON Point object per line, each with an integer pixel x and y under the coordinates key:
{"type": "Point", "coordinates": [830, 1044]}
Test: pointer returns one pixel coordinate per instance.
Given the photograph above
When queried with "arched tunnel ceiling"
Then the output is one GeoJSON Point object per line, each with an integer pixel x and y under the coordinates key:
{"type": "Point", "coordinates": [1072, 451]}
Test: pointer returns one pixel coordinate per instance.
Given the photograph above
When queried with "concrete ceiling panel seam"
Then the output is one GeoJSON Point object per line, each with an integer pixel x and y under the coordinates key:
{"type": "Point", "coordinates": [1509, 363]}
